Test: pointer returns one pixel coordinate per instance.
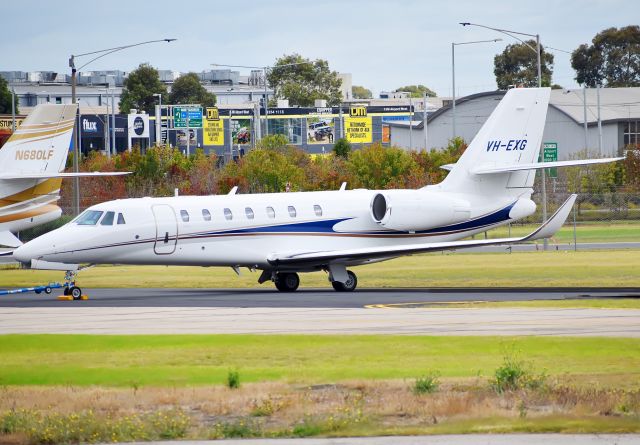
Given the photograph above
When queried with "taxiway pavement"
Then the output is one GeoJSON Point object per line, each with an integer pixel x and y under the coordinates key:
{"type": "Point", "coordinates": [389, 311]}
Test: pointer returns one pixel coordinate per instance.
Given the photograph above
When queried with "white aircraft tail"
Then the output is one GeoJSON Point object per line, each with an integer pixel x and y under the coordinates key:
{"type": "Point", "coordinates": [41, 144]}
{"type": "Point", "coordinates": [511, 136]}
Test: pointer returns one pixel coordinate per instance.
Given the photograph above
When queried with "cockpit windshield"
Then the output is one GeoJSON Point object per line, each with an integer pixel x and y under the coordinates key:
{"type": "Point", "coordinates": [89, 218]}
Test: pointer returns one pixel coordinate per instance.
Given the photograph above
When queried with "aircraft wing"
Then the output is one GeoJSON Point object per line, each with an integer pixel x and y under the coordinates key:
{"type": "Point", "coordinates": [538, 165]}
{"type": "Point", "coordinates": [59, 175]}
{"type": "Point", "coordinates": [547, 229]}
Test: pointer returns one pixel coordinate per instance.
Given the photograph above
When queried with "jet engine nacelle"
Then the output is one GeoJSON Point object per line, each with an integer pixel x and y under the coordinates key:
{"type": "Point", "coordinates": [414, 210]}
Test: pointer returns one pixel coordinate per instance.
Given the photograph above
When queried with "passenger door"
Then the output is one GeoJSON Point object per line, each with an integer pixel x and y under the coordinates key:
{"type": "Point", "coordinates": [166, 229]}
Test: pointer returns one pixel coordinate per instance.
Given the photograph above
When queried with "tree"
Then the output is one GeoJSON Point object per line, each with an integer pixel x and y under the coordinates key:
{"type": "Point", "coordinates": [518, 65]}
{"type": "Point", "coordinates": [303, 84]}
{"type": "Point", "coordinates": [377, 167]}
{"type": "Point", "coordinates": [418, 90]}
{"type": "Point", "coordinates": [342, 148]}
{"type": "Point", "coordinates": [5, 98]}
{"type": "Point", "coordinates": [612, 60]}
{"type": "Point", "coordinates": [139, 87]}
{"type": "Point", "coordinates": [187, 89]}
{"type": "Point", "coordinates": [358, 92]}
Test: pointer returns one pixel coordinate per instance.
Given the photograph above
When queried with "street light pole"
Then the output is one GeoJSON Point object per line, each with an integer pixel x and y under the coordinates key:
{"type": "Point", "coordinates": [76, 138]}
{"type": "Point", "coordinates": [159, 119]}
{"type": "Point", "coordinates": [13, 110]}
{"type": "Point", "coordinates": [453, 76]}
{"type": "Point", "coordinates": [514, 34]}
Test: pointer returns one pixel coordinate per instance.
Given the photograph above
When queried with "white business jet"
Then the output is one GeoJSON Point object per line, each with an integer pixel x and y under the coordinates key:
{"type": "Point", "coordinates": [283, 234]}
{"type": "Point", "coordinates": [31, 165]}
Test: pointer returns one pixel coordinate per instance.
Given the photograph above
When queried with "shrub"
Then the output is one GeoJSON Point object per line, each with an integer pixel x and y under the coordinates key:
{"type": "Point", "coordinates": [233, 379]}
{"type": "Point", "coordinates": [427, 384]}
{"type": "Point", "coordinates": [515, 374]}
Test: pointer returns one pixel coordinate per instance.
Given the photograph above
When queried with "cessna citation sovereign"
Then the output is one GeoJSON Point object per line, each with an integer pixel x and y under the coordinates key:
{"type": "Point", "coordinates": [283, 234]}
{"type": "Point", "coordinates": [31, 163]}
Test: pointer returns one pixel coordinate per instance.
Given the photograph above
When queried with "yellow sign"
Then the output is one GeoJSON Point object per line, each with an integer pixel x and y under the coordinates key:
{"type": "Point", "coordinates": [358, 130]}
{"type": "Point", "coordinates": [358, 111]}
{"type": "Point", "coordinates": [213, 128]}
{"type": "Point", "coordinates": [212, 114]}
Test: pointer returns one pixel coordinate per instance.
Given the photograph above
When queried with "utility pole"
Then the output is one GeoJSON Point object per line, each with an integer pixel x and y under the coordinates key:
{"type": "Point", "coordinates": [13, 109]}
{"type": "Point", "coordinates": [113, 123]}
{"type": "Point", "coordinates": [584, 115]}
{"type": "Point", "coordinates": [599, 121]}
{"type": "Point", "coordinates": [106, 128]}
{"type": "Point", "coordinates": [424, 122]}
{"type": "Point", "coordinates": [410, 123]}
{"type": "Point", "coordinates": [188, 134]}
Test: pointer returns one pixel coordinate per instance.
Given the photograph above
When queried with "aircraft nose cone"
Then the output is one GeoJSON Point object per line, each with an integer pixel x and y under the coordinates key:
{"type": "Point", "coordinates": [23, 253]}
{"type": "Point", "coordinates": [28, 252]}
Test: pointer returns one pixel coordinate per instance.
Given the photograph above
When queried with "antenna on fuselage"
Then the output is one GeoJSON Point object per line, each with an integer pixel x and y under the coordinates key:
{"type": "Point", "coordinates": [343, 187]}
{"type": "Point", "coordinates": [233, 190]}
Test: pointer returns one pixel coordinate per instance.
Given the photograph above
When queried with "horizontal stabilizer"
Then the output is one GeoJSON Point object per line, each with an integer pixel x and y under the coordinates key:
{"type": "Point", "coordinates": [9, 239]}
{"type": "Point", "coordinates": [538, 165]}
{"type": "Point", "coordinates": [59, 175]}
{"type": "Point", "coordinates": [546, 230]}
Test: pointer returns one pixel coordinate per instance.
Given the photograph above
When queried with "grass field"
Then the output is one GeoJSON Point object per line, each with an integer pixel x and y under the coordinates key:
{"type": "Point", "coordinates": [206, 359]}
{"type": "Point", "coordinates": [586, 232]}
{"type": "Point", "coordinates": [617, 268]}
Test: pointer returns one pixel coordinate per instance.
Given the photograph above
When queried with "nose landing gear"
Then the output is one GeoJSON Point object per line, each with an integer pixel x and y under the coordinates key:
{"type": "Point", "coordinates": [70, 288]}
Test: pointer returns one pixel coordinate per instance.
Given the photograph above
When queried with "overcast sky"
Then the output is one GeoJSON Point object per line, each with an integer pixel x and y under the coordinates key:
{"type": "Point", "coordinates": [383, 44]}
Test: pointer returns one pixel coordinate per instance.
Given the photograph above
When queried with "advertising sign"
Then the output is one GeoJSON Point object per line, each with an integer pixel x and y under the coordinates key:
{"type": "Point", "coordinates": [240, 131]}
{"type": "Point", "coordinates": [320, 126]}
{"type": "Point", "coordinates": [138, 125]}
{"type": "Point", "coordinates": [358, 126]}
{"type": "Point", "coordinates": [213, 133]}
{"type": "Point", "coordinates": [91, 126]}
{"type": "Point", "coordinates": [180, 117]}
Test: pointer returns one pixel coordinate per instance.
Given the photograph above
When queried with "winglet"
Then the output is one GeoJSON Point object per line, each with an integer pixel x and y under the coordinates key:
{"type": "Point", "coordinates": [553, 224]}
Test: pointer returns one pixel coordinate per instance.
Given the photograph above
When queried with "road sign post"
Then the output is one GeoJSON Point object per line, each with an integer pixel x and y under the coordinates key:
{"type": "Point", "coordinates": [194, 117]}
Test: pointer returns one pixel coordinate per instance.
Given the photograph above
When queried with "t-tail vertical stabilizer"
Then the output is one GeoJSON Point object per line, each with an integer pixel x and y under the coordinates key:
{"type": "Point", "coordinates": [512, 135]}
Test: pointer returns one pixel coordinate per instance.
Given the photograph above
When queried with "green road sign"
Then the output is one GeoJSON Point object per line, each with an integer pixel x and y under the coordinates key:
{"type": "Point", "coordinates": [180, 117]}
{"type": "Point", "coordinates": [550, 154]}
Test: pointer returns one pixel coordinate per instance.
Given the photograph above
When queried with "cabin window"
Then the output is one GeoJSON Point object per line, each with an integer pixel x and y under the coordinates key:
{"type": "Point", "coordinates": [228, 215]}
{"type": "Point", "coordinates": [271, 213]}
{"type": "Point", "coordinates": [292, 211]}
{"type": "Point", "coordinates": [184, 215]}
{"type": "Point", "coordinates": [206, 215]}
{"type": "Point", "coordinates": [121, 219]}
{"type": "Point", "coordinates": [107, 220]}
{"type": "Point", "coordinates": [89, 218]}
{"type": "Point", "coordinates": [317, 209]}
{"type": "Point", "coordinates": [249, 212]}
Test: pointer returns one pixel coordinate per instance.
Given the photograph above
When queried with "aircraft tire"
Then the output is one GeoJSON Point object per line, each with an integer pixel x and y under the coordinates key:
{"type": "Point", "coordinates": [287, 282]}
{"type": "Point", "coordinates": [349, 286]}
{"type": "Point", "coordinates": [75, 292]}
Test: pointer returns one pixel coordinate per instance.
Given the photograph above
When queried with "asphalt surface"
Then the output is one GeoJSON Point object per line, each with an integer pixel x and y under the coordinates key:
{"type": "Point", "coordinates": [268, 297]}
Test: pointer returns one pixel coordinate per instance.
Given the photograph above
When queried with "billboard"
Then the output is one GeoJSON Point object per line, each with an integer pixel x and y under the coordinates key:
{"type": "Point", "coordinates": [358, 126]}
{"type": "Point", "coordinates": [213, 127]}
{"type": "Point", "coordinates": [240, 131]}
{"type": "Point", "coordinates": [91, 126]}
{"type": "Point", "coordinates": [321, 127]}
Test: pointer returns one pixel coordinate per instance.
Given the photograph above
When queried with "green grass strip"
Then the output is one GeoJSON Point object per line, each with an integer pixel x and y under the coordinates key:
{"type": "Point", "coordinates": [206, 359]}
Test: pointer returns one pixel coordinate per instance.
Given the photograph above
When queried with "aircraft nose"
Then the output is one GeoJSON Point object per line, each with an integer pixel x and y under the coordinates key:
{"type": "Point", "coordinates": [29, 251]}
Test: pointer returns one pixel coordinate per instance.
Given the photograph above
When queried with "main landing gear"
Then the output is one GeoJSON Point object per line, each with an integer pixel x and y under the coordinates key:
{"type": "Point", "coordinates": [287, 281]}
{"type": "Point", "coordinates": [347, 286]}
{"type": "Point", "coordinates": [290, 281]}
